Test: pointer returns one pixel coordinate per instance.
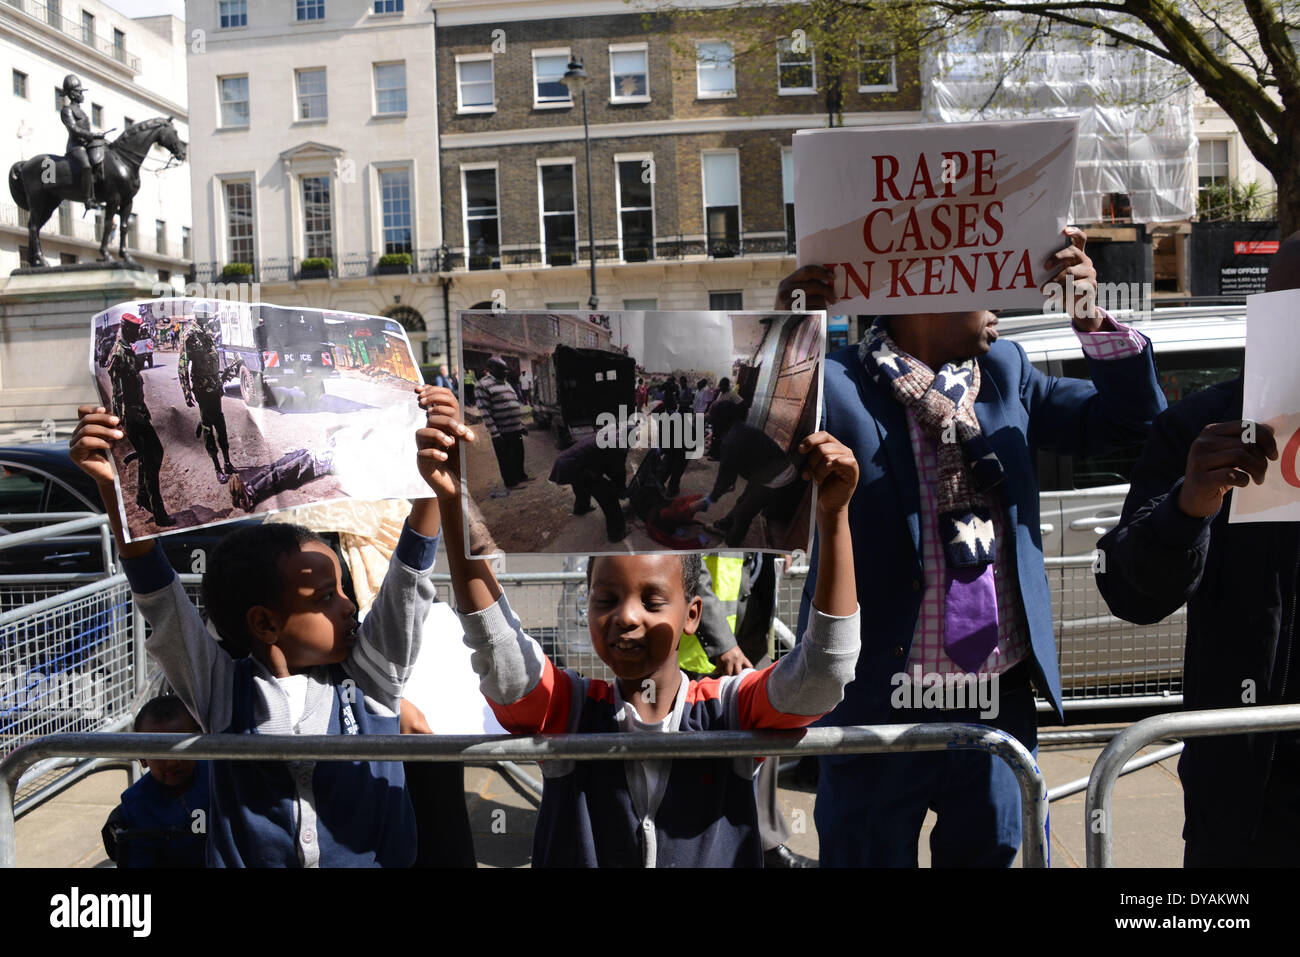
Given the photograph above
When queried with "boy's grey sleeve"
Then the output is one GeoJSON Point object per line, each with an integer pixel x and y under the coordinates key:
{"type": "Point", "coordinates": [388, 641]}
{"type": "Point", "coordinates": [195, 665]}
{"type": "Point", "coordinates": [507, 660]}
{"type": "Point", "coordinates": [810, 679]}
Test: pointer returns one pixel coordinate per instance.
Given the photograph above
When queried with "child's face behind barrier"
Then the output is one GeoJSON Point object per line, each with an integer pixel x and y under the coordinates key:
{"type": "Point", "coordinates": [315, 622]}
{"type": "Point", "coordinates": [174, 776]}
{"type": "Point", "coordinates": [637, 611]}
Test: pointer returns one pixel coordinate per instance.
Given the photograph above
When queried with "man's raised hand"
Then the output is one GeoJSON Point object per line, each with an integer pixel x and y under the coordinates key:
{"type": "Point", "coordinates": [807, 289]}
{"type": "Point", "coordinates": [1222, 458]}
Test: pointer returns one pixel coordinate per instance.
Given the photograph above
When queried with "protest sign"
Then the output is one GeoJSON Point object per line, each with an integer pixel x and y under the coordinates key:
{"type": "Point", "coordinates": [1271, 394]}
{"type": "Point", "coordinates": [231, 409]}
{"type": "Point", "coordinates": [642, 431]}
{"type": "Point", "coordinates": [937, 218]}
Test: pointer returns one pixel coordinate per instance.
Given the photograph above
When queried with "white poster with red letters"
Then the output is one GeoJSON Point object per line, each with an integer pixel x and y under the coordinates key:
{"type": "Point", "coordinates": [1271, 394]}
{"type": "Point", "coordinates": [936, 218]}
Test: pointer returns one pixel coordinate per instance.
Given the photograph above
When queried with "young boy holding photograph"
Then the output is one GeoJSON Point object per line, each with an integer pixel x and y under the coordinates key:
{"type": "Point", "coordinates": [650, 813]}
{"type": "Point", "coordinates": [291, 659]}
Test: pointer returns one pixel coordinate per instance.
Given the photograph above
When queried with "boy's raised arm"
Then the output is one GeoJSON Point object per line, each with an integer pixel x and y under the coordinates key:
{"type": "Point", "coordinates": [389, 639]}
{"type": "Point", "coordinates": [527, 693]}
{"type": "Point", "coordinates": [810, 680]}
{"type": "Point", "coordinates": [194, 664]}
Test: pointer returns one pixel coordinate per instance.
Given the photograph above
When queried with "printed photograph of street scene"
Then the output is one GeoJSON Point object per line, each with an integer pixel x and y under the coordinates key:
{"type": "Point", "coordinates": [231, 408]}
{"type": "Point", "coordinates": [637, 431]}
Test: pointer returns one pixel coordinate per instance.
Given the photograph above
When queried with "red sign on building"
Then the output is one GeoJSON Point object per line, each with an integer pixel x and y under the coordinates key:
{"type": "Point", "coordinates": [1265, 247]}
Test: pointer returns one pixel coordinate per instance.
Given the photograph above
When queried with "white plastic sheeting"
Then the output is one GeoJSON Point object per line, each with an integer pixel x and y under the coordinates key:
{"type": "Point", "coordinates": [1136, 129]}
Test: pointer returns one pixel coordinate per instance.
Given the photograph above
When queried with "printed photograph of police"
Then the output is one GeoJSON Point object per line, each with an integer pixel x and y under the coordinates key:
{"type": "Point", "coordinates": [259, 407]}
{"type": "Point", "coordinates": [633, 431]}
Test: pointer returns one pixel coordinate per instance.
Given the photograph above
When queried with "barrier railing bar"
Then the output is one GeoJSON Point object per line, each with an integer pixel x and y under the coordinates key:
{"type": "Point", "coordinates": [1189, 724]}
{"type": "Point", "coordinates": [30, 518]}
{"type": "Point", "coordinates": [1137, 764]}
{"type": "Point", "coordinates": [63, 598]}
{"type": "Point", "coordinates": [479, 749]}
{"type": "Point", "coordinates": [50, 531]}
{"type": "Point", "coordinates": [1099, 704]}
{"type": "Point", "coordinates": [522, 778]}
{"type": "Point", "coordinates": [80, 770]}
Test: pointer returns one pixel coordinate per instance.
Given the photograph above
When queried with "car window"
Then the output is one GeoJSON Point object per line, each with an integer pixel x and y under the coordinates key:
{"type": "Point", "coordinates": [20, 492]}
{"type": "Point", "coordinates": [1180, 374]}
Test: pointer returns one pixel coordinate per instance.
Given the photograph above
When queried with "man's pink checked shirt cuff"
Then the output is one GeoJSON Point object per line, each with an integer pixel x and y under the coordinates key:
{"type": "Point", "coordinates": [1113, 341]}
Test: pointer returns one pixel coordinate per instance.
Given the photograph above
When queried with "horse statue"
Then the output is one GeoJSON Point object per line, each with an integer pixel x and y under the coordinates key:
{"type": "Point", "coordinates": [39, 184]}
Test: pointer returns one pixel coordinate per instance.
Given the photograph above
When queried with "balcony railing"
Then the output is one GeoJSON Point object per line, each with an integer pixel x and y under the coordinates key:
{"type": "Point", "coordinates": [51, 16]}
{"type": "Point", "coordinates": [83, 229]}
{"type": "Point", "coordinates": [518, 256]}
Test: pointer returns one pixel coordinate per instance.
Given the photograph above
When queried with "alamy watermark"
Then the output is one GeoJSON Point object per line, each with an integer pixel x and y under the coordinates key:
{"type": "Point", "coordinates": [66, 691]}
{"type": "Point", "coordinates": [651, 430]}
{"type": "Point", "coordinates": [1132, 298]}
{"type": "Point", "coordinates": [945, 692]}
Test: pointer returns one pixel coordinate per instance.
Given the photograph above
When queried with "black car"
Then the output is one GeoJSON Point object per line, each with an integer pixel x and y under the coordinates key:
{"type": "Point", "coordinates": [43, 478]}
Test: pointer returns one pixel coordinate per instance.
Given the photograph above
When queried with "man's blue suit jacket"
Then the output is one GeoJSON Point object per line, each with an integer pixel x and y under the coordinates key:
{"type": "Point", "coordinates": [1020, 411]}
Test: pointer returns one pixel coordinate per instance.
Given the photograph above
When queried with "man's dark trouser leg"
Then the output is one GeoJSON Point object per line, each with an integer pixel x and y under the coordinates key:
{"type": "Point", "coordinates": [606, 495]}
{"type": "Point", "coordinates": [501, 446]}
{"type": "Point", "coordinates": [212, 416]}
{"type": "Point", "coordinates": [870, 809]}
{"type": "Point", "coordinates": [772, 829]}
{"type": "Point", "coordinates": [750, 503]}
{"type": "Point", "coordinates": [516, 447]}
{"type": "Point", "coordinates": [149, 450]}
{"type": "Point", "coordinates": [1277, 841]}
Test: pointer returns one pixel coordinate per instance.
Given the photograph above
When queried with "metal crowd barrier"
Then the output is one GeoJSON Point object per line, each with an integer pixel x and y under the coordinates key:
{"type": "Point", "coordinates": [479, 749]}
{"type": "Point", "coordinates": [1189, 724]}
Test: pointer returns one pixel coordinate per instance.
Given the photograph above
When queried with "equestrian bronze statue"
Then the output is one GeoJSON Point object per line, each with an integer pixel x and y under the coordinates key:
{"type": "Point", "coordinates": [95, 173]}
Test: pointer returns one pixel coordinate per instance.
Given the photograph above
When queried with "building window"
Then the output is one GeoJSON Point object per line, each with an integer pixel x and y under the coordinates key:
{"type": "Point", "coordinates": [795, 71]}
{"type": "Point", "coordinates": [119, 45]}
{"type": "Point", "coordinates": [641, 305]}
{"type": "Point", "coordinates": [475, 87]}
{"type": "Point", "coordinates": [239, 222]}
{"type": "Point", "coordinates": [187, 248]}
{"type": "Point", "coordinates": [159, 236]}
{"type": "Point", "coordinates": [636, 209]}
{"type": "Point", "coordinates": [87, 28]}
{"type": "Point", "coordinates": [312, 104]}
{"type": "Point", "coordinates": [482, 224]}
{"type": "Point", "coordinates": [65, 218]}
{"type": "Point", "coordinates": [317, 221]}
{"type": "Point", "coordinates": [133, 232]}
{"type": "Point", "coordinates": [20, 84]}
{"type": "Point", "coordinates": [715, 71]}
{"type": "Point", "coordinates": [390, 88]}
{"type": "Point", "coordinates": [721, 202]}
{"type": "Point", "coordinates": [726, 301]}
{"type": "Point", "coordinates": [127, 122]}
{"type": "Point", "coordinates": [53, 15]}
{"type": "Point", "coordinates": [388, 6]}
{"type": "Point", "coordinates": [559, 213]}
{"type": "Point", "coordinates": [787, 192]}
{"type": "Point", "coordinates": [876, 67]}
{"type": "Point", "coordinates": [96, 114]}
{"type": "Point", "coordinates": [67, 259]}
{"type": "Point", "coordinates": [232, 13]}
{"type": "Point", "coordinates": [629, 73]}
{"type": "Point", "coordinates": [549, 67]}
{"type": "Point", "coordinates": [234, 101]}
{"type": "Point", "coordinates": [395, 202]}
{"type": "Point", "coordinates": [310, 9]}
{"type": "Point", "coordinates": [1212, 163]}
{"type": "Point", "coordinates": [58, 98]}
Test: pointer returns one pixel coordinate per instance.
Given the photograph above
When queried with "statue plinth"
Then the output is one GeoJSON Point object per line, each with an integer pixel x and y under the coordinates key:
{"type": "Point", "coordinates": [45, 316]}
{"type": "Point", "coordinates": [76, 267]}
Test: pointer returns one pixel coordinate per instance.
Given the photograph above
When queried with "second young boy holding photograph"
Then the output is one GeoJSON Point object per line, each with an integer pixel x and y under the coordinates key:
{"type": "Point", "coordinates": [696, 813]}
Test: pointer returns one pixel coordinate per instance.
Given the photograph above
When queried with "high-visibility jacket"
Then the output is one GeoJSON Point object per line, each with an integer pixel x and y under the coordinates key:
{"type": "Point", "coordinates": [726, 573]}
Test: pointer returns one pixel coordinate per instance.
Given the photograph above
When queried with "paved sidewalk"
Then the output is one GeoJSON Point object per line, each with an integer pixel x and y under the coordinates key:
{"type": "Point", "coordinates": [1148, 817]}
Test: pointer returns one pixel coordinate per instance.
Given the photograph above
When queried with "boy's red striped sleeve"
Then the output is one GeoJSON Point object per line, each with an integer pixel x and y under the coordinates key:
{"type": "Point", "coordinates": [544, 710]}
{"type": "Point", "coordinates": [756, 708]}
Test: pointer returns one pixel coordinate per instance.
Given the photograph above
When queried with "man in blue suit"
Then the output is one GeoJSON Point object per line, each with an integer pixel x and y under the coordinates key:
{"type": "Point", "coordinates": [946, 421]}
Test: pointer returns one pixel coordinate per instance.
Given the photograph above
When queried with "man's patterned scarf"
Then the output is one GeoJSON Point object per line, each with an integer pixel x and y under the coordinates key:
{"type": "Point", "coordinates": [944, 407]}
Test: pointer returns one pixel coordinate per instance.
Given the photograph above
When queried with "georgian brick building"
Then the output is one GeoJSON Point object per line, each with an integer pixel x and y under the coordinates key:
{"type": "Point", "coordinates": [691, 180]}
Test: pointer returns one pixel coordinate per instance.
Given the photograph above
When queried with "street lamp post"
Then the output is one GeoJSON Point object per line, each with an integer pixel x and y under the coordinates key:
{"type": "Point", "coordinates": [575, 77]}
